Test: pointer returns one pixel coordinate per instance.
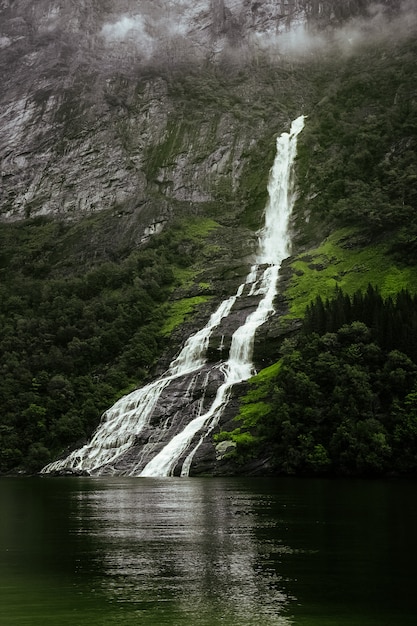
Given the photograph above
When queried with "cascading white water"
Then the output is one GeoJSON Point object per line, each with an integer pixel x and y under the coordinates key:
{"type": "Point", "coordinates": [122, 423]}
{"type": "Point", "coordinates": [274, 243]}
{"type": "Point", "coordinates": [127, 418]}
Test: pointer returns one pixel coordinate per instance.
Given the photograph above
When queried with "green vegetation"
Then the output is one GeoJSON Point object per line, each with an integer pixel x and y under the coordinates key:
{"type": "Point", "coordinates": [342, 399]}
{"type": "Point", "coordinates": [344, 260]}
{"type": "Point", "coordinates": [357, 155]}
{"type": "Point", "coordinates": [178, 311]}
{"type": "Point", "coordinates": [72, 339]}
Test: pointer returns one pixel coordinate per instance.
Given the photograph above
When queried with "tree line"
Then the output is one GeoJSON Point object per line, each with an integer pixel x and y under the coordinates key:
{"type": "Point", "coordinates": [344, 399]}
{"type": "Point", "coordinates": [72, 341]}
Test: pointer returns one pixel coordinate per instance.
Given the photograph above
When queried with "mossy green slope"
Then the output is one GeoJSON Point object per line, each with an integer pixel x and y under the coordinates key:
{"type": "Point", "coordinates": [343, 260]}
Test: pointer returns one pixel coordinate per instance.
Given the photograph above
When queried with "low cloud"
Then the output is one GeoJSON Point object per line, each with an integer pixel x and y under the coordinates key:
{"type": "Point", "coordinates": [131, 29]}
{"type": "Point", "coordinates": [124, 27]}
{"type": "Point", "coordinates": [379, 25]}
{"type": "Point", "coordinates": [167, 28]}
{"type": "Point", "coordinates": [151, 33]}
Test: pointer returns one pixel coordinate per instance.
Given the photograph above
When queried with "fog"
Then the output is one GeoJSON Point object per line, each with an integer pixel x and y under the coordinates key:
{"type": "Point", "coordinates": [212, 28]}
{"type": "Point", "coordinates": [300, 40]}
{"type": "Point", "coordinates": [127, 33]}
{"type": "Point", "coordinates": [133, 30]}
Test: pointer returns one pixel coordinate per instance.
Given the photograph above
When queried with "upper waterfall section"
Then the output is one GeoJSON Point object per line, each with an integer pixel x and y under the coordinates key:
{"type": "Point", "coordinates": [274, 237]}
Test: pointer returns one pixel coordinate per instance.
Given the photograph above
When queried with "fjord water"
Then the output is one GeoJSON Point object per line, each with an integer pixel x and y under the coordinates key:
{"type": "Point", "coordinates": [207, 552]}
{"type": "Point", "coordinates": [110, 451]}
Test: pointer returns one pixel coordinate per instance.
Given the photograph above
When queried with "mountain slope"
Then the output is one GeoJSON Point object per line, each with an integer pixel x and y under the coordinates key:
{"type": "Point", "coordinates": [133, 179]}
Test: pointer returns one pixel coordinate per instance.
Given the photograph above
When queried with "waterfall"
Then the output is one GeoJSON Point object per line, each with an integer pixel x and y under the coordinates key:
{"type": "Point", "coordinates": [114, 448]}
{"type": "Point", "coordinates": [127, 418]}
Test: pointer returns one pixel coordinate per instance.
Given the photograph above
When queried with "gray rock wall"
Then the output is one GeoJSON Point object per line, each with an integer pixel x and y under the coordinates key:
{"type": "Point", "coordinates": [85, 107]}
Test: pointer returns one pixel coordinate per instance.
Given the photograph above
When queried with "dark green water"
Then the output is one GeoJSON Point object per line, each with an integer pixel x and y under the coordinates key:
{"type": "Point", "coordinates": [207, 552]}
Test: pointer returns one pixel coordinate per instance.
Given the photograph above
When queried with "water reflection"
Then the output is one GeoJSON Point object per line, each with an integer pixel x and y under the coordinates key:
{"type": "Point", "coordinates": [250, 552]}
{"type": "Point", "coordinates": [184, 551]}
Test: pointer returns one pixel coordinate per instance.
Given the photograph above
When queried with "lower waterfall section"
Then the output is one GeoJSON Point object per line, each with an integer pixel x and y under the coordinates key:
{"type": "Point", "coordinates": [156, 430]}
{"type": "Point", "coordinates": [237, 369]}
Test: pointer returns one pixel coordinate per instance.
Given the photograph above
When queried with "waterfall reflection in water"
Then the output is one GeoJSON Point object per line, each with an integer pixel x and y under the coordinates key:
{"type": "Point", "coordinates": [207, 552]}
{"type": "Point", "coordinates": [183, 552]}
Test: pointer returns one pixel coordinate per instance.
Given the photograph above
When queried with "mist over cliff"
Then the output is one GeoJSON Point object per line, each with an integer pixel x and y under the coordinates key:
{"type": "Point", "coordinates": [82, 80]}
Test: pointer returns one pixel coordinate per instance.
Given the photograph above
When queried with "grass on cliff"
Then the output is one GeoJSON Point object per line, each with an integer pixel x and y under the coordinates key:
{"type": "Point", "coordinates": [340, 261]}
{"type": "Point", "coordinates": [179, 311]}
{"type": "Point", "coordinates": [253, 408]}
{"type": "Point", "coordinates": [188, 236]}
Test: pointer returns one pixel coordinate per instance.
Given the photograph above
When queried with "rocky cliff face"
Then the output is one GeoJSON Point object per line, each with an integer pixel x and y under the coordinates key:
{"type": "Point", "coordinates": [97, 112]}
{"type": "Point", "coordinates": [88, 121]}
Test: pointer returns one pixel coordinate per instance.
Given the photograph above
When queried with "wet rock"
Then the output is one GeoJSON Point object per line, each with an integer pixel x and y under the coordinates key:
{"type": "Point", "coordinates": [70, 472]}
{"type": "Point", "coordinates": [204, 460]}
{"type": "Point", "coordinates": [224, 448]}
